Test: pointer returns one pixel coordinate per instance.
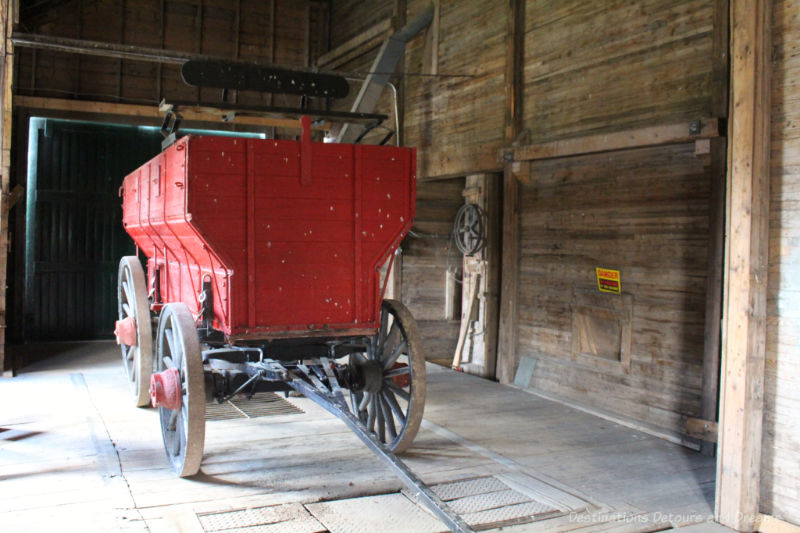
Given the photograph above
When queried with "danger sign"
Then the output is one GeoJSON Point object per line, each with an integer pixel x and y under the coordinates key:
{"type": "Point", "coordinates": [609, 280]}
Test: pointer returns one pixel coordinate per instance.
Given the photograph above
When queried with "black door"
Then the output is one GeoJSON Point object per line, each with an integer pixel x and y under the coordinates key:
{"type": "Point", "coordinates": [74, 235]}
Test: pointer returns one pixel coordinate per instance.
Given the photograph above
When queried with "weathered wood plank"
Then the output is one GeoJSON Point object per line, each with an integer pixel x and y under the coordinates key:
{"type": "Point", "coordinates": [358, 45]}
{"type": "Point", "coordinates": [151, 112]}
{"type": "Point", "coordinates": [644, 212]}
{"type": "Point", "coordinates": [594, 67]}
{"type": "Point", "coordinates": [619, 140]}
{"type": "Point", "coordinates": [507, 355]}
{"type": "Point", "coordinates": [713, 314]}
{"type": "Point", "coordinates": [781, 431]}
{"type": "Point", "coordinates": [744, 322]}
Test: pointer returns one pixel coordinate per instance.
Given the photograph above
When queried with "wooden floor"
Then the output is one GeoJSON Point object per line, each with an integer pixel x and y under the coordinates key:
{"type": "Point", "coordinates": [75, 455]}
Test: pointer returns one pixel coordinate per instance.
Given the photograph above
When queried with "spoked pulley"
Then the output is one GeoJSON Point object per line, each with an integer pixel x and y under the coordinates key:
{"type": "Point", "coordinates": [177, 389]}
{"type": "Point", "coordinates": [133, 329]}
{"type": "Point", "coordinates": [469, 229]}
{"type": "Point", "coordinates": [390, 396]}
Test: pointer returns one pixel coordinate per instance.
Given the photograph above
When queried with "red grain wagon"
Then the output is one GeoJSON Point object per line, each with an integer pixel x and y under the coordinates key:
{"type": "Point", "coordinates": [264, 263]}
{"type": "Point", "coordinates": [263, 255]}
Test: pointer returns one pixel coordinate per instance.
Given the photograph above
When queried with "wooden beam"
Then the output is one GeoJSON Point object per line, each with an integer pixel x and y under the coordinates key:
{"type": "Point", "coordinates": [7, 20]}
{"type": "Point", "coordinates": [515, 64]}
{"type": "Point", "coordinates": [679, 133]}
{"type": "Point", "coordinates": [507, 333]}
{"type": "Point", "coordinates": [430, 61]}
{"type": "Point", "coordinates": [399, 10]}
{"type": "Point", "coordinates": [161, 35]}
{"type": "Point", "coordinates": [709, 407]}
{"type": "Point", "coordinates": [199, 41]}
{"type": "Point", "coordinates": [198, 114]}
{"type": "Point", "coordinates": [509, 273]}
{"type": "Point", "coordinates": [104, 49]}
{"type": "Point", "coordinates": [744, 311]}
{"type": "Point", "coordinates": [357, 46]}
{"type": "Point", "coordinates": [272, 41]}
{"type": "Point", "coordinates": [307, 35]}
{"type": "Point", "coordinates": [721, 59]}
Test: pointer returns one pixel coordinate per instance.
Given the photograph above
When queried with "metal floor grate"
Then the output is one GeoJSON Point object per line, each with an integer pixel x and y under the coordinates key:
{"type": "Point", "coordinates": [289, 518]}
{"type": "Point", "coordinates": [488, 502]}
{"type": "Point", "coordinates": [261, 404]}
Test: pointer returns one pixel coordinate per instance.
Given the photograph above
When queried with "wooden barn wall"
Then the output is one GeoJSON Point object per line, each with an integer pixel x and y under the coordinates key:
{"type": "Point", "coordinates": [353, 17]}
{"type": "Point", "coordinates": [425, 263]}
{"type": "Point", "coordinates": [601, 67]}
{"type": "Point", "coordinates": [780, 478]}
{"type": "Point", "coordinates": [610, 65]}
{"type": "Point", "coordinates": [283, 32]}
{"type": "Point", "coordinates": [643, 212]}
{"type": "Point", "coordinates": [457, 122]}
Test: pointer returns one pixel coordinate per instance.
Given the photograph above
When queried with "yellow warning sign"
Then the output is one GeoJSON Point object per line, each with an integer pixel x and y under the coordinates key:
{"type": "Point", "coordinates": [609, 280]}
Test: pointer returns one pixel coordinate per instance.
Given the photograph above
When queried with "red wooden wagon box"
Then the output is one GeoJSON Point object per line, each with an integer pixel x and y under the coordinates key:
{"type": "Point", "coordinates": [290, 234]}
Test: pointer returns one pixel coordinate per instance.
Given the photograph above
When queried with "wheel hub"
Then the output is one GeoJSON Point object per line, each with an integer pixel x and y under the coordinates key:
{"type": "Point", "coordinates": [372, 374]}
{"type": "Point", "coordinates": [165, 389]}
{"type": "Point", "coordinates": [125, 331]}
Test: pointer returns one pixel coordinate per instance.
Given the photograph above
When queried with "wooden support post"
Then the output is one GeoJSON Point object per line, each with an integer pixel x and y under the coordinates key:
{"type": "Point", "coordinates": [716, 245]}
{"type": "Point", "coordinates": [307, 35]}
{"type": "Point", "coordinates": [509, 276]}
{"type": "Point", "coordinates": [430, 64]}
{"type": "Point", "coordinates": [720, 58]}
{"type": "Point", "coordinates": [272, 40]}
{"type": "Point", "coordinates": [161, 35]}
{"type": "Point", "coordinates": [398, 21]}
{"type": "Point", "coordinates": [509, 281]}
{"type": "Point", "coordinates": [237, 24]}
{"type": "Point", "coordinates": [744, 310]}
{"type": "Point", "coordinates": [7, 18]}
{"type": "Point", "coordinates": [121, 41]}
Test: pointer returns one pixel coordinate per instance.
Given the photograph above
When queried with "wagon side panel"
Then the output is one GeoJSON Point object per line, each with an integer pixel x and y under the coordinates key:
{"type": "Point", "coordinates": [217, 199]}
{"type": "Point", "coordinates": [388, 190]}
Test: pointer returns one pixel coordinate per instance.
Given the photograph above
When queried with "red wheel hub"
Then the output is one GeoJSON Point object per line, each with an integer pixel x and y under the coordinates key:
{"type": "Point", "coordinates": [165, 389]}
{"type": "Point", "coordinates": [125, 331]}
{"type": "Point", "coordinates": [403, 380]}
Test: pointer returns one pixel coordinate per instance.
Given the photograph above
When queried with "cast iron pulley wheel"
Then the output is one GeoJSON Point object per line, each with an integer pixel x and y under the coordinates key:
{"type": "Point", "coordinates": [178, 349]}
{"type": "Point", "coordinates": [392, 399]}
{"type": "Point", "coordinates": [468, 229]}
{"type": "Point", "coordinates": [134, 308]}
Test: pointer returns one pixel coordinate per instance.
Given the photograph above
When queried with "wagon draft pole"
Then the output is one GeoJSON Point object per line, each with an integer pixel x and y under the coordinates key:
{"type": "Point", "coordinates": [263, 274]}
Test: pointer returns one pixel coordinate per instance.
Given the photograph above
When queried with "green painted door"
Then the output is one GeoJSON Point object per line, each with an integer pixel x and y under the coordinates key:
{"type": "Point", "coordinates": [74, 235]}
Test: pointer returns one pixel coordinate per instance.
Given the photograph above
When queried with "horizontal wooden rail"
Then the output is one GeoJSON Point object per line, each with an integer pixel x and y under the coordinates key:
{"type": "Point", "coordinates": [198, 114]}
{"type": "Point", "coordinates": [621, 140]}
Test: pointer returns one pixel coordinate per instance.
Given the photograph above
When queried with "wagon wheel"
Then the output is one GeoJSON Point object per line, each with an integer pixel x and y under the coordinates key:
{"type": "Point", "coordinates": [177, 389]}
{"type": "Point", "coordinates": [134, 331]}
{"type": "Point", "coordinates": [393, 396]}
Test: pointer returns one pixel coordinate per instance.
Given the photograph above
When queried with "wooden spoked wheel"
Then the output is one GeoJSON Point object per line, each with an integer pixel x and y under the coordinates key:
{"type": "Point", "coordinates": [132, 304]}
{"type": "Point", "coordinates": [393, 399]}
{"type": "Point", "coordinates": [178, 349]}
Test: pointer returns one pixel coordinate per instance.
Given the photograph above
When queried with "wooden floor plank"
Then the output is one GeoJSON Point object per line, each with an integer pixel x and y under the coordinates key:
{"type": "Point", "coordinates": [112, 452]}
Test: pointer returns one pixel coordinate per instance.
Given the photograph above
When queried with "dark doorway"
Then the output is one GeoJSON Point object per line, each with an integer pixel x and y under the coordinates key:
{"type": "Point", "coordinates": [74, 236]}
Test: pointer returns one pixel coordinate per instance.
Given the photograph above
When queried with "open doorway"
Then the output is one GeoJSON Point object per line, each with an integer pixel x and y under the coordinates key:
{"type": "Point", "coordinates": [69, 238]}
{"type": "Point", "coordinates": [73, 231]}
